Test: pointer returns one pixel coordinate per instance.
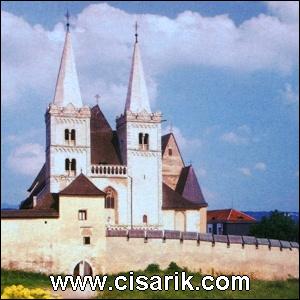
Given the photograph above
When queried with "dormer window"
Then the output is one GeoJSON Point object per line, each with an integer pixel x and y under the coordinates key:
{"type": "Point", "coordinates": [143, 141]}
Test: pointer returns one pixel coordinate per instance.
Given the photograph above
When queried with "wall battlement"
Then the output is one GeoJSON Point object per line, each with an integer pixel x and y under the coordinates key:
{"type": "Point", "coordinates": [265, 259]}
{"type": "Point", "coordinates": [198, 237]}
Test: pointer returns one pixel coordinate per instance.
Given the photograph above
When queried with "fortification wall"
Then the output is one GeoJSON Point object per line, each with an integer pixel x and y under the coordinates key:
{"type": "Point", "coordinates": [54, 247]}
{"type": "Point", "coordinates": [258, 258]}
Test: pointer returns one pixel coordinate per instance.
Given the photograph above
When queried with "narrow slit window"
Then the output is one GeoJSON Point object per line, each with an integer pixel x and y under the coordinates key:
{"type": "Point", "coordinates": [73, 135]}
{"type": "Point", "coordinates": [67, 164]}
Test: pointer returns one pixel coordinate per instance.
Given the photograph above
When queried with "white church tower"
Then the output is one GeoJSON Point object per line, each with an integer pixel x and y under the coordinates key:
{"type": "Point", "coordinates": [139, 132]}
{"type": "Point", "coordinates": [67, 126]}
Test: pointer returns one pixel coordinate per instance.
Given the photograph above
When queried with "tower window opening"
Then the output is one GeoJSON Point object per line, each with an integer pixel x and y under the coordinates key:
{"type": "Point", "coordinates": [170, 152]}
{"type": "Point", "coordinates": [73, 167]}
{"type": "Point", "coordinates": [73, 135]}
{"type": "Point", "coordinates": [70, 136]}
{"type": "Point", "coordinates": [66, 134]}
{"type": "Point", "coordinates": [67, 164]}
{"type": "Point", "coordinates": [143, 141]}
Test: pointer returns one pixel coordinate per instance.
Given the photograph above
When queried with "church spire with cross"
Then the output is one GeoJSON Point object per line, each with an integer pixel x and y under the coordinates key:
{"type": "Point", "coordinates": [137, 96]}
{"type": "Point", "coordinates": [67, 86]}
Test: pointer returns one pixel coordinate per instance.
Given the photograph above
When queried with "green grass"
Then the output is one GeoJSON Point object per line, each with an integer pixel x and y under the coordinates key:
{"type": "Point", "coordinates": [27, 279]}
{"type": "Point", "coordinates": [288, 289]}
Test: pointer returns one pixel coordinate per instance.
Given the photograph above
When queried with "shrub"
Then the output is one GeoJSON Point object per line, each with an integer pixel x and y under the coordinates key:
{"type": "Point", "coordinates": [173, 267]}
{"type": "Point", "coordinates": [153, 268]}
{"type": "Point", "coordinates": [20, 292]}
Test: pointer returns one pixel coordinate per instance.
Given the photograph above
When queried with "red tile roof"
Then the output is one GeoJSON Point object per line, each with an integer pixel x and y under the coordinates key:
{"type": "Point", "coordinates": [82, 186]}
{"type": "Point", "coordinates": [228, 215]}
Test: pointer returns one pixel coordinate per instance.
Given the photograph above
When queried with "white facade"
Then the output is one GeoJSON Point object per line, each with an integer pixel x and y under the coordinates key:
{"type": "Point", "coordinates": [136, 184]}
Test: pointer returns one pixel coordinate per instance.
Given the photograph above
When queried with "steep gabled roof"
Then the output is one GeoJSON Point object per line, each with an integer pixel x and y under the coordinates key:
{"type": "Point", "coordinates": [39, 180]}
{"type": "Point", "coordinates": [165, 139]}
{"type": "Point", "coordinates": [173, 200]}
{"type": "Point", "coordinates": [228, 215]}
{"type": "Point", "coordinates": [81, 186]}
{"type": "Point", "coordinates": [104, 141]}
{"type": "Point", "coordinates": [188, 186]}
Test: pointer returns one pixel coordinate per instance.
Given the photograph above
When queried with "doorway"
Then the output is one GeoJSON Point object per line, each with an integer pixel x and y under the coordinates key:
{"type": "Point", "coordinates": [83, 268]}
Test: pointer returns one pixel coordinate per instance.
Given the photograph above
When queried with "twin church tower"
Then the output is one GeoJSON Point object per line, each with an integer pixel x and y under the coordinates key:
{"type": "Point", "coordinates": [141, 173]}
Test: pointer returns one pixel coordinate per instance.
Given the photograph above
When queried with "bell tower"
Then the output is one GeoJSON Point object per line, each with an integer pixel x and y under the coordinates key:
{"type": "Point", "coordinates": [139, 132]}
{"type": "Point", "coordinates": [67, 126]}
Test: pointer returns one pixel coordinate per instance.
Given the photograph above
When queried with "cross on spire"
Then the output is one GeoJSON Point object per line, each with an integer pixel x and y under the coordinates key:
{"type": "Point", "coordinates": [67, 15]}
{"type": "Point", "coordinates": [97, 96]}
{"type": "Point", "coordinates": [136, 31]}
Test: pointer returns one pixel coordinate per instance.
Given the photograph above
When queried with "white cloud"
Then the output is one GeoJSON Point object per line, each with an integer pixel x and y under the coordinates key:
{"type": "Point", "coordinates": [240, 136]}
{"type": "Point", "coordinates": [245, 171]}
{"type": "Point", "coordinates": [26, 159]}
{"type": "Point", "coordinates": [103, 38]}
{"type": "Point", "coordinates": [289, 96]}
{"type": "Point", "coordinates": [287, 11]}
{"type": "Point", "coordinates": [260, 166]}
{"type": "Point", "coordinates": [233, 138]}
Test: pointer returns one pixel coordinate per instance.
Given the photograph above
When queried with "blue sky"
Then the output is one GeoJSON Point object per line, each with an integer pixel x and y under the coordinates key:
{"type": "Point", "coordinates": [224, 73]}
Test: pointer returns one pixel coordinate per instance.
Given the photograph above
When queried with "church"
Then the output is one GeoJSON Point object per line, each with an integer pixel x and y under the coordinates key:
{"type": "Point", "coordinates": [111, 201]}
{"type": "Point", "coordinates": [141, 173]}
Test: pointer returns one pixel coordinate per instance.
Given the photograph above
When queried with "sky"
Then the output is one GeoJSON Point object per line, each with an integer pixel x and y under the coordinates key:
{"type": "Point", "coordinates": [224, 74]}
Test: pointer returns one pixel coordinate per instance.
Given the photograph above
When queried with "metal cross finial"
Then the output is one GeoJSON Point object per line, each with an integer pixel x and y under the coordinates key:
{"type": "Point", "coordinates": [97, 98]}
{"type": "Point", "coordinates": [67, 15]}
{"type": "Point", "coordinates": [136, 31]}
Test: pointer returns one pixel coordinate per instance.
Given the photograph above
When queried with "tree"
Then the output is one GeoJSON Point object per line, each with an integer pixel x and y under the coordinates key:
{"type": "Point", "coordinates": [277, 226]}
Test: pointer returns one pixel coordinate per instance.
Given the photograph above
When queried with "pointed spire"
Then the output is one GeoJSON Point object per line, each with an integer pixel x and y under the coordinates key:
{"type": "Point", "coordinates": [137, 95]}
{"type": "Point", "coordinates": [67, 86]}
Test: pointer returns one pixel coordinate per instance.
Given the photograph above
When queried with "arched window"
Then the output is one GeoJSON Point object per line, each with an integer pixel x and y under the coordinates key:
{"type": "Point", "coordinates": [146, 141]}
{"type": "Point", "coordinates": [73, 165]}
{"type": "Point", "coordinates": [170, 152]}
{"type": "Point", "coordinates": [110, 198]}
{"type": "Point", "coordinates": [66, 134]}
{"type": "Point", "coordinates": [145, 219]}
{"type": "Point", "coordinates": [140, 140]}
{"type": "Point", "coordinates": [73, 135]}
{"type": "Point", "coordinates": [67, 164]}
{"type": "Point", "coordinates": [143, 141]}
